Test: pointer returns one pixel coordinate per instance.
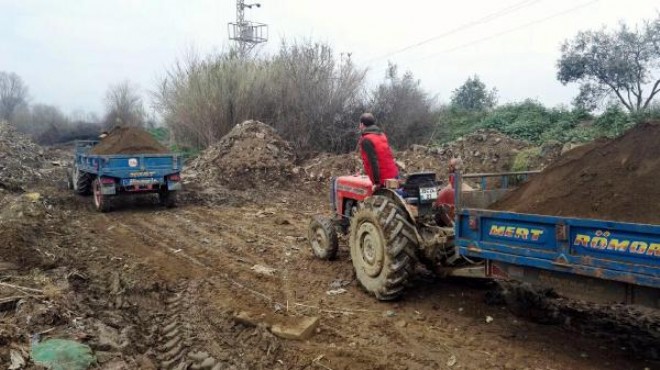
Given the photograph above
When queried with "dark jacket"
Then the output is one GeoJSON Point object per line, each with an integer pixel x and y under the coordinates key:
{"type": "Point", "coordinates": [377, 156]}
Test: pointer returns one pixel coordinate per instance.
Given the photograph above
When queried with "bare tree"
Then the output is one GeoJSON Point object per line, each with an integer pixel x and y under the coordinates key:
{"type": "Point", "coordinates": [124, 106]}
{"type": "Point", "coordinates": [312, 99]}
{"type": "Point", "coordinates": [13, 94]}
{"type": "Point", "coordinates": [403, 109]}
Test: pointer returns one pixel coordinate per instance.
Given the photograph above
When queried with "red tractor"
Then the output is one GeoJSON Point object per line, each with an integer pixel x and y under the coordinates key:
{"type": "Point", "coordinates": [390, 230]}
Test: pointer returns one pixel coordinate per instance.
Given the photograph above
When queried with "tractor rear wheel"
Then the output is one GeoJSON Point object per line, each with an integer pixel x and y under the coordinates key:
{"type": "Point", "coordinates": [383, 246]}
{"type": "Point", "coordinates": [322, 237]}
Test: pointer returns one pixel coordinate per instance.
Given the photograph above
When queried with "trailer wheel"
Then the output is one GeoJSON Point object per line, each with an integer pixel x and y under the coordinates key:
{"type": "Point", "coordinates": [322, 238]}
{"type": "Point", "coordinates": [101, 201]}
{"type": "Point", "coordinates": [167, 198]}
{"type": "Point", "coordinates": [82, 182]}
{"type": "Point", "coordinates": [383, 247]}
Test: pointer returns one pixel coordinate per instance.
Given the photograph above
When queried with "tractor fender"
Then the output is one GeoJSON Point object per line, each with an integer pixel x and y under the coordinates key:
{"type": "Point", "coordinates": [395, 197]}
{"type": "Point", "coordinates": [398, 199]}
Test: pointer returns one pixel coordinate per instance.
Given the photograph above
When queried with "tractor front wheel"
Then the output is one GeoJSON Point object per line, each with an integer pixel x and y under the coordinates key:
{"type": "Point", "coordinates": [322, 238]}
{"type": "Point", "coordinates": [383, 246]}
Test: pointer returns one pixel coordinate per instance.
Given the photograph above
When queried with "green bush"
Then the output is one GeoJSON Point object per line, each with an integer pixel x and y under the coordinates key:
{"type": "Point", "coordinates": [523, 159]}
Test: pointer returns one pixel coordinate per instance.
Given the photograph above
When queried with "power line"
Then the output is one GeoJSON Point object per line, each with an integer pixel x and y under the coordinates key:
{"type": "Point", "coordinates": [488, 18]}
{"type": "Point", "coordinates": [529, 24]}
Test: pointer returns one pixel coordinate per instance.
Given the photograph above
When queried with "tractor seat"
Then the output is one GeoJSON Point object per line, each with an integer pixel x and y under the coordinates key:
{"type": "Point", "coordinates": [416, 180]}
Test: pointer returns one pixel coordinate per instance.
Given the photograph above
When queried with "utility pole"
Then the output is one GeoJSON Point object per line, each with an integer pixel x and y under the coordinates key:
{"type": "Point", "coordinates": [246, 34]}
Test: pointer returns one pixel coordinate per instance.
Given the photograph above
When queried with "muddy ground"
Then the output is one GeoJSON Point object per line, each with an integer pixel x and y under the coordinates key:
{"type": "Point", "coordinates": [147, 287]}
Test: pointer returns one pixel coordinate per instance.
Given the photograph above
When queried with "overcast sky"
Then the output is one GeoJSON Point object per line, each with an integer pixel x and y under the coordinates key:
{"type": "Point", "coordinates": [69, 51]}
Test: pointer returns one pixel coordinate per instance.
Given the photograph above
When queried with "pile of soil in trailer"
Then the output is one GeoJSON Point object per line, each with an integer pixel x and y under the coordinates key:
{"type": "Point", "coordinates": [251, 154]}
{"type": "Point", "coordinates": [608, 179]}
{"type": "Point", "coordinates": [128, 140]}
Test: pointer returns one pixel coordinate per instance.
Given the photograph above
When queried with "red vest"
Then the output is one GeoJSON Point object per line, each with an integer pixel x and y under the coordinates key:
{"type": "Point", "coordinates": [387, 168]}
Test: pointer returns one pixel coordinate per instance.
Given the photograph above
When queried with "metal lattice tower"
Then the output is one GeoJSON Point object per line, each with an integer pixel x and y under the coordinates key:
{"type": "Point", "coordinates": [246, 34]}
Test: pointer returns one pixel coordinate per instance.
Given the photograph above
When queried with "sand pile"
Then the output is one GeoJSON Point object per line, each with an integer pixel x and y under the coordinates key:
{"type": "Point", "coordinates": [128, 140]}
{"type": "Point", "coordinates": [608, 179]}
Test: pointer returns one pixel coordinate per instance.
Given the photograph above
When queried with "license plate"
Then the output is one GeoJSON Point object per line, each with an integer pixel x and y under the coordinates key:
{"type": "Point", "coordinates": [138, 182]}
{"type": "Point", "coordinates": [428, 193]}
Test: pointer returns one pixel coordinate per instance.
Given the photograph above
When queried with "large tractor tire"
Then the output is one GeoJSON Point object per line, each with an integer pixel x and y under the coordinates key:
{"type": "Point", "coordinates": [101, 201]}
{"type": "Point", "coordinates": [383, 246]}
{"type": "Point", "coordinates": [322, 237]}
{"type": "Point", "coordinates": [82, 182]}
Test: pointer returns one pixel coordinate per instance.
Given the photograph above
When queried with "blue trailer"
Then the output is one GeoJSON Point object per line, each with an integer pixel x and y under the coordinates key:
{"type": "Point", "coordinates": [107, 176]}
{"type": "Point", "coordinates": [595, 260]}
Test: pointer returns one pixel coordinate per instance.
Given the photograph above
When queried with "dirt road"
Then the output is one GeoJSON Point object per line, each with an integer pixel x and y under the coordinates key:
{"type": "Point", "coordinates": [148, 287]}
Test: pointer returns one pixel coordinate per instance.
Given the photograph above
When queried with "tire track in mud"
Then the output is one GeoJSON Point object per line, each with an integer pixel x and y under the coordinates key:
{"type": "Point", "coordinates": [155, 234]}
{"type": "Point", "coordinates": [216, 245]}
{"type": "Point", "coordinates": [177, 350]}
{"type": "Point", "coordinates": [418, 359]}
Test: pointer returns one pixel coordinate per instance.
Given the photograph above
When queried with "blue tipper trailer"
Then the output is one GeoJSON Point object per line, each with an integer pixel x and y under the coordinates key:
{"type": "Point", "coordinates": [595, 260]}
{"type": "Point", "coordinates": [106, 176]}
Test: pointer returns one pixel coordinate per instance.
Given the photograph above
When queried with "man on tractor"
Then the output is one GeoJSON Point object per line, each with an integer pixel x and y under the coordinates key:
{"type": "Point", "coordinates": [377, 157]}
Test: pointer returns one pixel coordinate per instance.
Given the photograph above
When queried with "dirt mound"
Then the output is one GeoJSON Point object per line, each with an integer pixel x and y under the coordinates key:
{"type": "Point", "coordinates": [20, 159]}
{"type": "Point", "coordinates": [328, 165]}
{"type": "Point", "coordinates": [129, 140]}
{"type": "Point", "coordinates": [608, 179]}
{"type": "Point", "coordinates": [481, 151]}
{"type": "Point", "coordinates": [251, 154]}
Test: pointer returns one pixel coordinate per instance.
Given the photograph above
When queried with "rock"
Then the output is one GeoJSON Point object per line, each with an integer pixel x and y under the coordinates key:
{"type": "Point", "coordinates": [32, 197]}
{"type": "Point", "coordinates": [339, 283]}
{"type": "Point", "coordinates": [247, 319]}
{"type": "Point", "coordinates": [17, 361]}
{"type": "Point", "coordinates": [489, 319]}
{"type": "Point", "coordinates": [451, 361]}
{"type": "Point", "coordinates": [336, 291]}
{"type": "Point", "coordinates": [300, 330]}
{"type": "Point", "coordinates": [281, 221]}
{"type": "Point", "coordinates": [419, 148]}
{"type": "Point", "coordinates": [109, 338]}
{"type": "Point", "coordinates": [401, 324]}
{"type": "Point", "coordinates": [263, 270]}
